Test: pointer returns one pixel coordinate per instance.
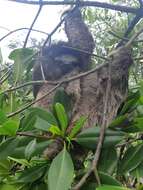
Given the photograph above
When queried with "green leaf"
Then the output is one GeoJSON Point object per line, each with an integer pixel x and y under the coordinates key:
{"type": "Point", "coordinates": [89, 186]}
{"type": "Point", "coordinates": [23, 162]}
{"type": "Point", "coordinates": [3, 117]}
{"type": "Point", "coordinates": [108, 161]}
{"type": "Point", "coordinates": [30, 148]}
{"type": "Point", "coordinates": [62, 116]}
{"type": "Point", "coordinates": [90, 137]}
{"type": "Point", "coordinates": [42, 124]}
{"type": "Point", "coordinates": [61, 172]}
{"type": "Point", "coordinates": [40, 147]}
{"type": "Point", "coordinates": [109, 180]}
{"type": "Point", "coordinates": [28, 122]}
{"type": "Point", "coordinates": [138, 122]}
{"type": "Point", "coordinates": [119, 121]}
{"type": "Point", "coordinates": [39, 186]}
{"type": "Point", "coordinates": [21, 57]}
{"type": "Point", "coordinates": [7, 147]}
{"type": "Point", "coordinates": [138, 171]}
{"type": "Point", "coordinates": [95, 131]}
{"type": "Point", "coordinates": [36, 148]}
{"type": "Point", "coordinates": [131, 103]}
{"type": "Point", "coordinates": [31, 174]}
{"type": "Point", "coordinates": [132, 158]}
{"type": "Point", "coordinates": [110, 187]}
{"type": "Point", "coordinates": [19, 152]}
{"type": "Point", "coordinates": [9, 187]}
{"type": "Point", "coordinates": [5, 167]}
{"type": "Point", "coordinates": [9, 128]}
{"type": "Point", "coordinates": [78, 125]}
{"type": "Point", "coordinates": [55, 130]}
{"type": "Point", "coordinates": [63, 98]}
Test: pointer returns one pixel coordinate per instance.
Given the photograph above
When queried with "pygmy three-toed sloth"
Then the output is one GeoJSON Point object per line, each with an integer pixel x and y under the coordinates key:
{"type": "Point", "coordinates": [61, 58]}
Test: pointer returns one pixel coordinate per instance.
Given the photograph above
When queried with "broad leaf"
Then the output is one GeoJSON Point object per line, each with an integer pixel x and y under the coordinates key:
{"type": "Point", "coordinates": [5, 167]}
{"type": "Point", "coordinates": [3, 117]}
{"type": "Point", "coordinates": [62, 116]}
{"type": "Point", "coordinates": [95, 131]}
{"type": "Point", "coordinates": [19, 152]}
{"type": "Point", "coordinates": [42, 124]}
{"type": "Point", "coordinates": [108, 160]}
{"type": "Point", "coordinates": [31, 174]}
{"type": "Point", "coordinates": [61, 172]}
{"type": "Point", "coordinates": [30, 148]}
{"type": "Point", "coordinates": [110, 187]}
{"type": "Point", "coordinates": [40, 147]}
{"type": "Point", "coordinates": [138, 171]}
{"type": "Point", "coordinates": [10, 187]}
{"type": "Point", "coordinates": [28, 122]}
{"type": "Point", "coordinates": [89, 186]}
{"type": "Point", "coordinates": [63, 98]}
{"type": "Point", "coordinates": [108, 180]}
{"type": "Point", "coordinates": [78, 125]}
{"type": "Point", "coordinates": [55, 130]}
{"type": "Point", "coordinates": [120, 122]}
{"type": "Point", "coordinates": [7, 147]}
{"type": "Point", "coordinates": [130, 103]}
{"type": "Point", "coordinates": [9, 128]}
{"type": "Point", "coordinates": [90, 137]}
{"type": "Point", "coordinates": [39, 186]}
{"type": "Point", "coordinates": [138, 122]}
{"type": "Point", "coordinates": [21, 57]}
{"type": "Point", "coordinates": [132, 158]}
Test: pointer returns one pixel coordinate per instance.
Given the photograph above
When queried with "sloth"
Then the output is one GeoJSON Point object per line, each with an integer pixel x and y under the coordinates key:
{"type": "Point", "coordinates": [59, 59]}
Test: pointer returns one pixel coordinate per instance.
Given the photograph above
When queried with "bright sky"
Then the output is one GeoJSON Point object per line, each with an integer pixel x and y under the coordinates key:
{"type": "Point", "coordinates": [17, 15]}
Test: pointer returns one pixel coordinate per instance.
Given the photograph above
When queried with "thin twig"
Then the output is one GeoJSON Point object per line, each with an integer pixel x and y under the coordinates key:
{"type": "Point", "coordinates": [5, 74]}
{"type": "Point", "coordinates": [132, 39]}
{"type": "Point", "coordinates": [29, 31]}
{"type": "Point", "coordinates": [2, 27]}
{"type": "Point", "coordinates": [55, 29]}
{"type": "Point", "coordinates": [128, 142]}
{"type": "Point", "coordinates": [128, 44]}
{"type": "Point", "coordinates": [117, 36]}
{"type": "Point", "coordinates": [131, 26]}
{"type": "Point", "coordinates": [8, 75]}
{"type": "Point", "coordinates": [16, 30]}
{"type": "Point", "coordinates": [37, 100]}
{"type": "Point", "coordinates": [28, 134]}
{"type": "Point", "coordinates": [83, 4]}
{"type": "Point", "coordinates": [29, 83]}
{"type": "Point", "coordinates": [86, 52]}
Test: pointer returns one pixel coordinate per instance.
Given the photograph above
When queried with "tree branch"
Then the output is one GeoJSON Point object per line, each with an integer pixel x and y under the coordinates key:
{"type": "Point", "coordinates": [29, 134]}
{"type": "Point", "coordinates": [29, 31]}
{"type": "Point", "coordinates": [16, 30]}
{"type": "Point", "coordinates": [32, 103]}
{"type": "Point", "coordinates": [83, 4]}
